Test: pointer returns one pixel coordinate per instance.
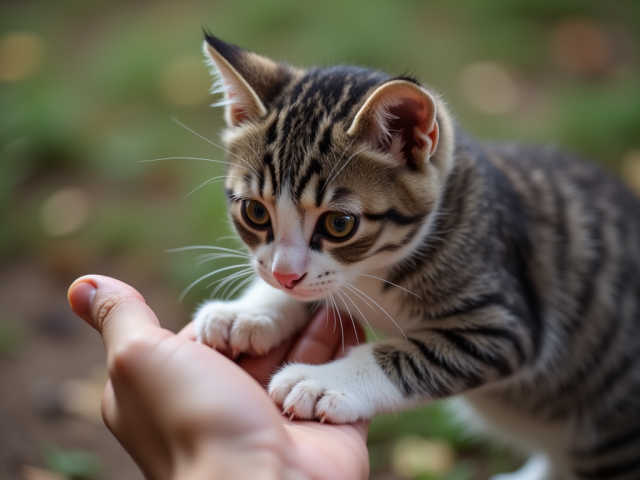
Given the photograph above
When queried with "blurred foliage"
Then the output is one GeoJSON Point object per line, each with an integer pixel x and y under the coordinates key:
{"type": "Point", "coordinates": [75, 464]}
{"type": "Point", "coordinates": [12, 337]}
{"type": "Point", "coordinates": [88, 89]}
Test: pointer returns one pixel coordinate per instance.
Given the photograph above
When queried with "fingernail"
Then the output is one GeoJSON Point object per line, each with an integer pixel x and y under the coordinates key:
{"type": "Point", "coordinates": [80, 298]}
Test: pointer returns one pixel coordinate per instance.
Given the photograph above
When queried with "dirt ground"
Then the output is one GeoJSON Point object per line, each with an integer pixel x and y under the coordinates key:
{"type": "Point", "coordinates": [58, 356]}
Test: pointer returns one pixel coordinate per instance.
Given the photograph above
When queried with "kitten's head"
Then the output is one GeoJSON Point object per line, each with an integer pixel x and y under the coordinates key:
{"type": "Point", "coordinates": [334, 171]}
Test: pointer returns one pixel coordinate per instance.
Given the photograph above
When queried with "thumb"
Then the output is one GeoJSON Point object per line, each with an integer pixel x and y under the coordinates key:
{"type": "Point", "coordinates": [116, 310]}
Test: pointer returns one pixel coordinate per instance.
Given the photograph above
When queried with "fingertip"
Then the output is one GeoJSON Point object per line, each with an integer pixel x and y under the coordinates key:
{"type": "Point", "coordinates": [80, 296]}
{"type": "Point", "coordinates": [188, 332]}
{"type": "Point", "coordinates": [105, 302]}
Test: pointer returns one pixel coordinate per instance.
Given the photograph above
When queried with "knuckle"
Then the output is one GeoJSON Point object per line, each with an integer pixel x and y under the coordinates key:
{"type": "Point", "coordinates": [105, 309]}
{"type": "Point", "coordinates": [126, 355]}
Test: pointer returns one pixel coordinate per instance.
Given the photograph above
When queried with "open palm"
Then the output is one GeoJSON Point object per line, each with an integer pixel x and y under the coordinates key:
{"type": "Point", "coordinates": [183, 410]}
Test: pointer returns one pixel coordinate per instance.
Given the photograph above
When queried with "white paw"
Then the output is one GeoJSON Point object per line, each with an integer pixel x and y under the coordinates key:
{"type": "Point", "coordinates": [237, 326]}
{"type": "Point", "coordinates": [312, 392]}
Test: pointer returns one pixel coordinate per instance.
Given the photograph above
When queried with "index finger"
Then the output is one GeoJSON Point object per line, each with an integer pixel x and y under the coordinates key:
{"type": "Point", "coordinates": [115, 309]}
{"type": "Point", "coordinates": [323, 339]}
{"type": "Point", "coordinates": [319, 343]}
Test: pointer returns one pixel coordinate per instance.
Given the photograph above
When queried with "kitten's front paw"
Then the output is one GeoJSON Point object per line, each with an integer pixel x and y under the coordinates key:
{"type": "Point", "coordinates": [315, 392]}
{"type": "Point", "coordinates": [220, 324]}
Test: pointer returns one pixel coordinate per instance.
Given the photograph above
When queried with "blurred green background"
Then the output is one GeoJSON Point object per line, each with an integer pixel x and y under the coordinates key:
{"type": "Point", "coordinates": [87, 91]}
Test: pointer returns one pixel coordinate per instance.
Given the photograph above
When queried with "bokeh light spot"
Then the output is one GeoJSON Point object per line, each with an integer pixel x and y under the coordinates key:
{"type": "Point", "coordinates": [65, 212]}
{"type": "Point", "coordinates": [185, 81]}
{"type": "Point", "coordinates": [631, 169]}
{"type": "Point", "coordinates": [21, 54]}
{"type": "Point", "coordinates": [581, 46]}
{"type": "Point", "coordinates": [490, 88]}
{"type": "Point", "coordinates": [413, 456]}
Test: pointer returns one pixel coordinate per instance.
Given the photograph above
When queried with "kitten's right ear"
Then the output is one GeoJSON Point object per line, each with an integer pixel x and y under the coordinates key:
{"type": "Point", "coordinates": [399, 119]}
{"type": "Point", "coordinates": [247, 80]}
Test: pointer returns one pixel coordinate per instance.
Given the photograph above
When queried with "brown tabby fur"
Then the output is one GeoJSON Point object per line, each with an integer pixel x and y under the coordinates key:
{"type": "Point", "coordinates": [528, 279]}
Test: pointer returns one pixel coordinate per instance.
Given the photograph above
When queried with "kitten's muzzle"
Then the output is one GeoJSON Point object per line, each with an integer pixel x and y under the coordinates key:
{"type": "Point", "coordinates": [288, 281]}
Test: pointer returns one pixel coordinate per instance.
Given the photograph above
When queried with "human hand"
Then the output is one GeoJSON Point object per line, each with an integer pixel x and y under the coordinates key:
{"type": "Point", "coordinates": [183, 410]}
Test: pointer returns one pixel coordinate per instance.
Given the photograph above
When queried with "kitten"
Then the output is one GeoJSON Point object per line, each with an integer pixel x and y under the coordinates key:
{"type": "Point", "coordinates": [508, 276]}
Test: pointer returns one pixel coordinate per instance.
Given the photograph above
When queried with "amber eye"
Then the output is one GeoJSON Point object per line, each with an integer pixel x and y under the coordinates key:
{"type": "Point", "coordinates": [339, 225]}
{"type": "Point", "coordinates": [256, 214]}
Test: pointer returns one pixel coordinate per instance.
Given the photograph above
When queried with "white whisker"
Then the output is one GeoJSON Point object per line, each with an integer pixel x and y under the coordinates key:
{"type": "Point", "coordinates": [207, 247]}
{"type": "Point", "coordinates": [361, 314]}
{"type": "Point", "coordinates": [230, 237]}
{"type": "Point", "coordinates": [215, 144]}
{"type": "Point", "coordinates": [385, 281]}
{"type": "Point", "coordinates": [363, 299]}
{"type": "Point", "coordinates": [240, 285]}
{"type": "Point", "coordinates": [333, 309]}
{"type": "Point", "coordinates": [230, 285]}
{"type": "Point", "coordinates": [345, 164]}
{"type": "Point", "coordinates": [190, 158]}
{"type": "Point", "coordinates": [312, 306]}
{"type": "Point", "coordinates": [327, 322]}
{"type": "Point", "coordinates": [350, 316]}
{"type": "Point", "coordinates": [230, 277]}
{"type": "Point", "coordinates": [340, 319]}
{"type": "Point", "coordinates": [226, 280]}
{"type": "Point", "coordinates": [254, 152]}
{"type": "Point", "coordinates": [336, 164]}
{"type": "Point", "coordinates": [210, 181]}
{"type": "Point", "coordinates": [207, 257]}
{"type": "Point", "coordinates": [352, 288]}
{"type": "Point", "coordinates": [186, 290]}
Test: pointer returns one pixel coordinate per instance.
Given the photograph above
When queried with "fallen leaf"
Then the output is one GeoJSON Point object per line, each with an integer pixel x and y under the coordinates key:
{"type": "Point", "coordinates": [34, 473]}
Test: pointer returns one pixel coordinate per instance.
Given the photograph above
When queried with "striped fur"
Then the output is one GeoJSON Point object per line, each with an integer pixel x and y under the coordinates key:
{"type": "Point", "coordinates": [524, 263]}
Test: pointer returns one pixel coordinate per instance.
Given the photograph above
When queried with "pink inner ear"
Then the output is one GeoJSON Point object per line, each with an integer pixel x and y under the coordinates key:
{"type": "Point", "coordinates": [237, 111]}
{"type": "Point", "coordinates": [409, 120]}
{"type": "Point", "coordinates": [238, 114]}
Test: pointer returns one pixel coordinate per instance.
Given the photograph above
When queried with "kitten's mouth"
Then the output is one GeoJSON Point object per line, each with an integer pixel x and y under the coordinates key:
{"type": "Point", "coordinates": [305, 295]}
{"type": "Point", "coordinates": [295, 289]}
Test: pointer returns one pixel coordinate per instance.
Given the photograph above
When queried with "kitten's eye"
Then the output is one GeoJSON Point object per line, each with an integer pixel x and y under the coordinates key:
{"type": "Point", "coordinates": [256, 214]}
{"type": "Point", "coordinates": [339, 225]}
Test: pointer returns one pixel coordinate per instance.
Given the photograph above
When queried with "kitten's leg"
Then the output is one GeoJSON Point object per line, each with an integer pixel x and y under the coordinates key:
{"type": "Point", "coordinates": [397, 373]}
{"type": "Point", "coordinates": [538, 467]}
{"type": "Point", "coordinates": [342, 391]}
{"type": "Point", "coordinates": [254, 323]}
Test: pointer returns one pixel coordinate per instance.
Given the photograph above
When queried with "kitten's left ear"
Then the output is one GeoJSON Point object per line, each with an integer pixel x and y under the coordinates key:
{"type": "Point", "coordinates": [247, 79]}
{"type": "Point", "coordinates": [399, 118]}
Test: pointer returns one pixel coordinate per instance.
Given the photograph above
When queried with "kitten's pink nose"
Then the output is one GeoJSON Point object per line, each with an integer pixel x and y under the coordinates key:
{"type": "Point", "coordinates": [288, 280]}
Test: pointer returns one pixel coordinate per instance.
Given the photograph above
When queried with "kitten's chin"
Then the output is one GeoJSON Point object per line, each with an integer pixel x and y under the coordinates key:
{"type": "Point", "coordinates": [305, 296]}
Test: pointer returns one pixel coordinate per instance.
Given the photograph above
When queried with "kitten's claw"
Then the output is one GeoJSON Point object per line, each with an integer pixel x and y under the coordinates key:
{"type": "Point", "coordinates": [318, 392]}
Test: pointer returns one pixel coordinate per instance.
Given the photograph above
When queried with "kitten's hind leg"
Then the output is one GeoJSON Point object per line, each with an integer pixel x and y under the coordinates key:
{"type": "Point", "coordinates": [538, 467]}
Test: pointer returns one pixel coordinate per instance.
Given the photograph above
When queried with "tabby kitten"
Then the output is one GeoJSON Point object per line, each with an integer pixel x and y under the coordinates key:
{"type": "Point", "coordinates": [505, 275]}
